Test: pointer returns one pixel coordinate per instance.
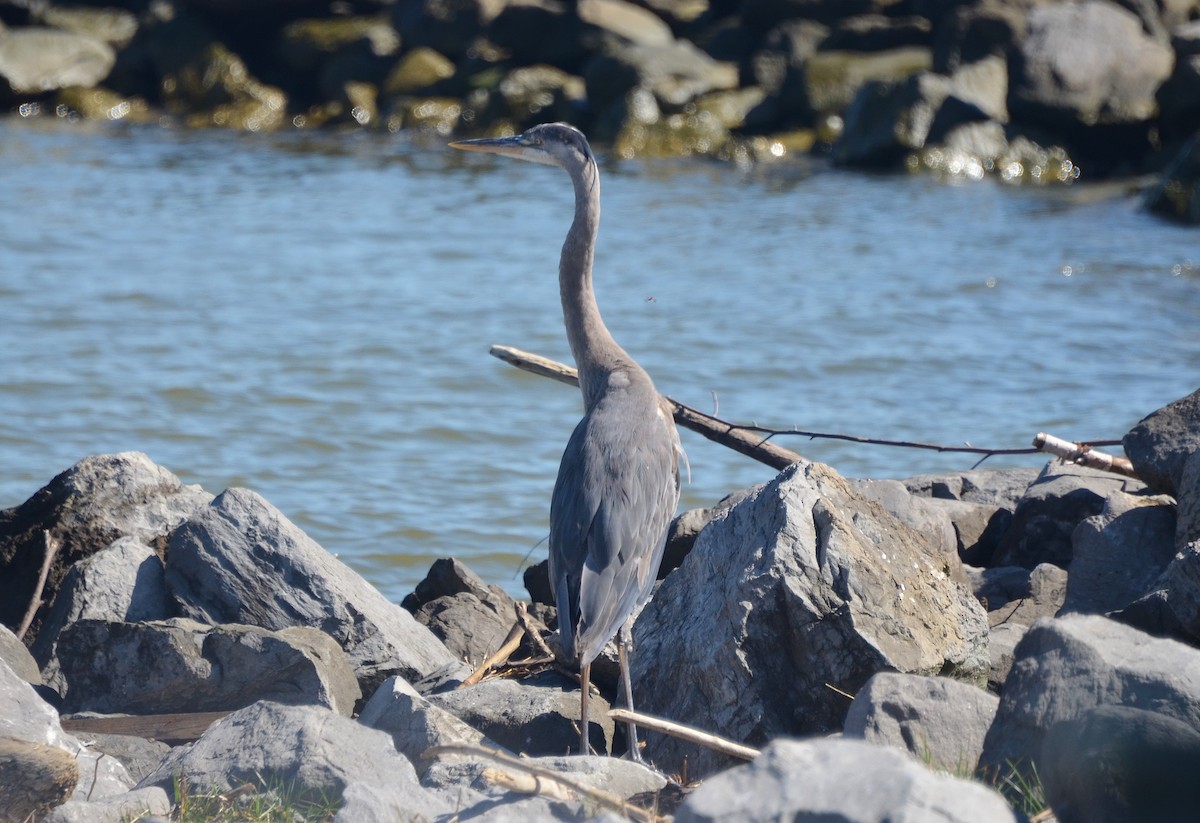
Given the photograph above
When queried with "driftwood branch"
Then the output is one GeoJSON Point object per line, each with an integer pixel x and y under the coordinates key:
{"type": "Point", "coordinates": [499, 657]}
{"type": "Point", "coordinates": [1082, 454]}
{"type": "Point", "coordinates": [753, 440]}
{"type": "Point", "coordinates": [169, 728]}
{"type": "Point", "coordinates": [35, 602]}
{"type": "Point", "coordinates": [598, 796]}
{"type": "Point", "coordinates": [688, 733]}
{"type": "Point", "coordinates": [738, 438]}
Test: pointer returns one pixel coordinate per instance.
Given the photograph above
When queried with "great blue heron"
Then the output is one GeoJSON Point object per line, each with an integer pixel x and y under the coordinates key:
{"type": "Point", "coordinates": [618, 483]}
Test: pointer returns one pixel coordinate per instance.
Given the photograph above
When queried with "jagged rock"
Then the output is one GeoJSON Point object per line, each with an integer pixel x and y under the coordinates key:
{"type": "Point", "coordinates": [36, 778]}
{"type": "Point", "coordinates": [17, 656]}
{"type": "Point", "coordinates": [685, 528]}
{"type": "Point", "coordinates": [1086, 63]}
{"type": "Point", "coordinates": [1065, 666]}
{"type": "Point", "coordinates": [36, 60]}
{"type": "Point", "coordinates": [1059, 500]}
{"type": "Point", "coordinates": [921, 513]}
{"type": "Point", "coordinates": [124, 581]}
{"type": "Point", "coordinates": [1160, 444]}
{"type": "Point", "coordinates": [140, 804]}
{"type": "Point", "coordinates": [180, 665]}
{"type": "Point", "coordinates": [996, 487]}
{"type": "Point", "coordinates": [1118, 763]}
{"type": "Point", "coordinates": [832, 79]}
{"type": "Point", "coordinates": [470, 617]}
{"type": "Point", "coordinates": [27, 717]}
{"type": "Point", "coordinates": [803, 584]}
{"type": "Point", "coordinates": [529, 95]}
{"type": "Point", "coordinates": [941, 722]}
{"type": "Point", "coordinates": [1119, 554]}
{"type": "Point", "coordinates": [889, 119]}
{"type": "Point", "coordinates": [843, 780]}
{"type": "Point", "coordinates": [224, 566]}
{"type": "Point", "coordinates": [310, 749]}
{"type": "Point", "coordinates": [415, 724]}
{"type": "Point", "coordinates": [534, 716]}
{"type": "Point", "coordinates": [674, 73]}
{"type": "Point", "coordinates": [86, 508]}
{"type": "Point", "coordinates": [1002, 643]}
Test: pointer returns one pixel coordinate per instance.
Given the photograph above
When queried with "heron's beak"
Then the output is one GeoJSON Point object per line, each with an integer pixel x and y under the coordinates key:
{"type": "Point", "coordinates": [518, 146]}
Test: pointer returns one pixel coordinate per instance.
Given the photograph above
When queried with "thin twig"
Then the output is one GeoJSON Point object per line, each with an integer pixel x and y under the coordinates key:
{"type": "Point", "coordinates": [527, 622]}
{"type": "Point", "coordinates": [607, 799]}
{"type": "Point", "coordinates": [52, 547]}
{"type": "Point", "coordinates": [511, 643]}
{"type": "Point", "coordinates": [688, 733]}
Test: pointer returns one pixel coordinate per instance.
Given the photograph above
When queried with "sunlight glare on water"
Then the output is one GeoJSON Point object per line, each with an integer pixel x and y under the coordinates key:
{"type": "Point", "coordinates": [309, 316]}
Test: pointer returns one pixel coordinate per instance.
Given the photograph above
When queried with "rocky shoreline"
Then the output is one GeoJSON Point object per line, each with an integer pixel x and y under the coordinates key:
{"type": "Point", "coordinates": [1023, 90]}
{"type": "Point", "coordinates": [890, 645]}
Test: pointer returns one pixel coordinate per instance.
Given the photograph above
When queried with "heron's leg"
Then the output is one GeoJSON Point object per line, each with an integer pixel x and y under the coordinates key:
{"type": "Point", "coordinates": [585, 676]}
{"type": "Point", "coordinates": [624, 644]}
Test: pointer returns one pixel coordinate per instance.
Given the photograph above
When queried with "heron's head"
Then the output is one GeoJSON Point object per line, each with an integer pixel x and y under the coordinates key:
{"type": "Point", "coordinates": [554, 144]}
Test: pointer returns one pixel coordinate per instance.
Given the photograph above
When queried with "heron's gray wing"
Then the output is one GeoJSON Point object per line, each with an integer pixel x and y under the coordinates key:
{"type": "Point", "coordinates": [617, 491]}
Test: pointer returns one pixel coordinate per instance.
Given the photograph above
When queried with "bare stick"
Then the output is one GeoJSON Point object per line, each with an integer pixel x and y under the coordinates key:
{"type": "Point", "coordinates": [511, 643]}
{"type": "Point", "coordinates": [528, 622]}
{"type": "Point", "coordinates": [52, 547]}
{"type": "Point", "coordinates": [688, 733]}
{"type": "Point", "coordinates": [738, 438]}
{"type": "Point", "coordinates": [1082, 454]}
{"type": "Point", "coordinates": [599, 796]}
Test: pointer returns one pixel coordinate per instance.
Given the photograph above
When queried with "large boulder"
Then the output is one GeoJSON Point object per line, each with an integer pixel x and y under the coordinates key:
{"type": "Point", "coordinates": [802, 585]}
{"type": "Point", "coordinates": [309, 750]}
{"type": "Point", "coordinates": [1065, 666]}
{"type": "Point", "coordinates": [889, 119]}
{"type": "Point", "coordinates": [1086, 63]}
{"type": "Point", "coordinates": [1118, 763]}
{"type": "Point", "coordinates": [939, 721]}
{"type": "Point", "coordinates": [1162, 441]}
{"type": "Point", "coordinates": [124, 581]}
{"type": "Point", "coordinates": [180, 665]}
{"type": "Point", "coordinates": [1120, 554]}
{"type": "Point", "coordinates": [469, 616]}
{"type": "Point", "coordinates": [86, 508]}
{"type": "Point", "coordinates": [840, 780]}
{"type": "Point", "coordinates": [225, 566]}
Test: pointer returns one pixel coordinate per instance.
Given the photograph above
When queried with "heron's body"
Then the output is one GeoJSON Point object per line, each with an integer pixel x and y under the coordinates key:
{"type": "Point", "coordinates": [618, 483]}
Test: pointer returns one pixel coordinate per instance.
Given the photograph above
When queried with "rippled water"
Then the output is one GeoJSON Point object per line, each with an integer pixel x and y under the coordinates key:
{"type": "Point", "coordinates": [310, 317]}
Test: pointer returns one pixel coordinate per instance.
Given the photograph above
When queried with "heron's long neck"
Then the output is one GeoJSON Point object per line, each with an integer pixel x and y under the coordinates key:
{"type": "Point", "coordinates": [596, 353]}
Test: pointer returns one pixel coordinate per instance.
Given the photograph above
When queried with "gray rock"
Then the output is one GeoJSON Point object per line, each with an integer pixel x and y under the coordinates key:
{"type": "Point", "coordinates": [675, 73]}
{"type": "Point", "coordinates": [447, 26]}
{"type": "Point", "coordinates": [180, 665]}
{"type": "Point", "coordinates": [1119, 554]}
{"type": "Point", "coordinates": [1187, 524]}
{"type": "Point", "coordinates": [804, 584]}
{"type": "Point", "coordinates": [1003, 488]}
{"type": "Point", "coordinates": [941, 722]}
{"type": "Point", "coordinates": [124, 582]}
{"type": "Point", "coordinates": [890, 119]}
{"type": "Point", "coordinates": [1118, 763]}
{"type": "Point", "coordinates": [312, 751]}
{"type": "Point", "coordinates": [35, 60]}
{"type": "Point", "coordinates": [624, 22]}
{"type": "Point", "coordinates": [1183, 588]}
{"type": "Point", "coordinates": [1065, 666]}
{"type": "Point", "coordinates": [1160, 444]}
{"type": "Point", "coordinates": [842, 780]}
{"type": "Point", "coordinates": [1059, 500]}
{"type": "Point", "coordinates": [86, 508]}
{"type": "Point", "coordinates": [470, 617]}
{"type": "Point", "coordinates": [921, 513]}
{"type": "Point", "coordinates": [139, 804]}
{"type": "Point", "coordinates": [617, 776]}
{"type": "Point", "coordinates": [975, 32]}
{"type": "Point", "coordinates": [415, 724]}
{"type": "Point", "coordinates": [225, 564]}
{"type": "Point", "coordinates": [18, 658]}
{"type": "Point", "coordinates": [1086, 63]}
{"type": "Point", "coordinates": [535, 716]}
{"type": "Point", "coordinates": [27, 717]}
